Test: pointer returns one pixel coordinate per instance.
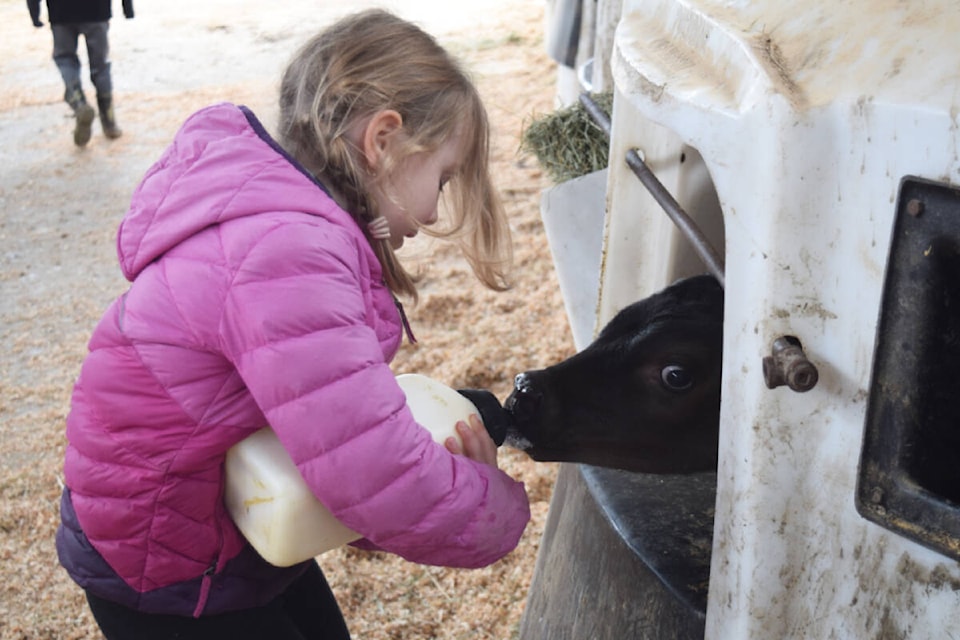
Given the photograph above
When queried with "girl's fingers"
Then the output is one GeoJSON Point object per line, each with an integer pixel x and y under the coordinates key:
{"type": "Point", "coordinates": [466, 436]}
{"type": "Point", "coordinates": [453, 445]}
{"type": "Point", "coordinates": [477, 444]}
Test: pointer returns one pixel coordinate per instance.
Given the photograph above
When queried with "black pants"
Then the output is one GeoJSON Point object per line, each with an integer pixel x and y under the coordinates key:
{"type": "Point", "coordinates": [66, 40]}
{"type": "Point", "coordinates": [305, 611]}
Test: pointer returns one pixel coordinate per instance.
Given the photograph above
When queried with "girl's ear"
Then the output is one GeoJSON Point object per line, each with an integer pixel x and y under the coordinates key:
{"type": "Point", "coordinates": [376, 135]}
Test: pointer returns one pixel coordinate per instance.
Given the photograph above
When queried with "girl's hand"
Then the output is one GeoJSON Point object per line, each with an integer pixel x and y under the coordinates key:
{"type": "Point", "coordinates": [477, 443]}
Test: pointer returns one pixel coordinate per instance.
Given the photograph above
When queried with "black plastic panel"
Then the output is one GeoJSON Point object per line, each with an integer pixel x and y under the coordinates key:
{"type": "Point", "coordinates": [909, 478]}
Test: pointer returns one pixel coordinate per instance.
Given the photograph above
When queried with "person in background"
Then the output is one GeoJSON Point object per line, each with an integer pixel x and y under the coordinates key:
{"type": "Point", "coordinates": [263, 292]}
{"type": "Point", "coordinates": [70, 19]}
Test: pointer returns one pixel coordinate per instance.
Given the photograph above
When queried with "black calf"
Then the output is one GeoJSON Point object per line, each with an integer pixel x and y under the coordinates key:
{"type": "Point", "coordinates": [644, 396]}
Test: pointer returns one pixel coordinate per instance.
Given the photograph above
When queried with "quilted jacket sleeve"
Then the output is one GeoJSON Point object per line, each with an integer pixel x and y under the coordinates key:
{"type": "Point", "coordinates": [296, 324]}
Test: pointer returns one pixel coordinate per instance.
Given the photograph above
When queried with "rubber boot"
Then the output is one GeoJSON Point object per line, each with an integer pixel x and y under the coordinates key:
{"type": "Point", "coordinates": [84, 114]}
{"type": "Point", "coordinates": [107, 119]}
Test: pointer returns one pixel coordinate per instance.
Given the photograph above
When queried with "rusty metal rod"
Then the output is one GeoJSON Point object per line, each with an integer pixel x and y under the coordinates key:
{"type": "Point", "coordinates": [671, 207]}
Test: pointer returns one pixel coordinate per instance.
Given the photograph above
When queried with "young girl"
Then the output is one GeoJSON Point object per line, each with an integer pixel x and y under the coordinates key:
{"type": "Point", "coordinates": [263, 280]}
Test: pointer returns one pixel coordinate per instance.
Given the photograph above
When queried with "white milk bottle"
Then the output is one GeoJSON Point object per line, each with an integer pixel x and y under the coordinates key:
{"type": "Point", "coordinates": [272, 505]}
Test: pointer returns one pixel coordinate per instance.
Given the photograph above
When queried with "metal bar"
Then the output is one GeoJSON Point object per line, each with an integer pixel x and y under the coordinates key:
{"type": "Point", "coordinates": [598, 115]}
{"type": "Point", "coordinates": [670, 206]}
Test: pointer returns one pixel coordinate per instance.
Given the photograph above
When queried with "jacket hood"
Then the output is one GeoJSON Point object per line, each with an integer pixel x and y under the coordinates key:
{"type": "Point", "coordinates": [222, 165]}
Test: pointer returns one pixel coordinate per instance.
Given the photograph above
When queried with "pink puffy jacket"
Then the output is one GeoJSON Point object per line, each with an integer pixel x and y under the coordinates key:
{"type": "Point", "coordinates": [255, 300]}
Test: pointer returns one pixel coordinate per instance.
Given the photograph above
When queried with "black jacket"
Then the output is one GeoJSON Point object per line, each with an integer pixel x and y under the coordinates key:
{"type": "Point", "coordinates": [67, 11]}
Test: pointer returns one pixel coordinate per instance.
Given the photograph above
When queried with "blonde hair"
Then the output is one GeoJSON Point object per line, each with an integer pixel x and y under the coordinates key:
{"type": "Point", "coordinates": [372, 61]}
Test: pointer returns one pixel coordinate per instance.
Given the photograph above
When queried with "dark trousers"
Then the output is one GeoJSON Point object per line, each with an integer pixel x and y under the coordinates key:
{"type": "Point", "coordinates": [305, 611]}
{"type": "Point", "coordinates": [65, 43]}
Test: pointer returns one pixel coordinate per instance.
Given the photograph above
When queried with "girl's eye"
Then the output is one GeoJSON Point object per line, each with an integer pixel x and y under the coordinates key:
{"type": "Point", "coordinates": [443, 183]}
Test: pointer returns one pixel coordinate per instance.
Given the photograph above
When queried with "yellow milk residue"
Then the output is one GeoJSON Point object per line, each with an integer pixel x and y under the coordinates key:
{"type": "Point", "coordinates": [439, 399]}
{"type": "Point", "coordinates": [252, 501]}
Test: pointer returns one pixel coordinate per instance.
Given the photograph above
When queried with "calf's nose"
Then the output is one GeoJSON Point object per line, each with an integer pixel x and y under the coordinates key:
{"type": "Point", "coordinates": [524, 403]}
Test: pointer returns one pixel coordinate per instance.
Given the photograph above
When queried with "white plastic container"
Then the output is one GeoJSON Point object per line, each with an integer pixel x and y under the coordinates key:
{"type": "Point", "coordinates": [272, 505]}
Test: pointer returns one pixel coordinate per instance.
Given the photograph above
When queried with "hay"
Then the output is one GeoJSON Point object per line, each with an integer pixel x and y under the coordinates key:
{"type": "Point", "coordinates": [568, 143]}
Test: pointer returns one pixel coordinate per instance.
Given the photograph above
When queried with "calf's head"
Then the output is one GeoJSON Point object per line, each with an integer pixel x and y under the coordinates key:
{"type": "Point", "coordinates": [644, 396]}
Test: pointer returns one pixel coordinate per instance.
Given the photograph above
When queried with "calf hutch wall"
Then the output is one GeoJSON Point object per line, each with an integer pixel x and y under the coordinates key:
{"type": "Point", "coordinates": [815, 144]}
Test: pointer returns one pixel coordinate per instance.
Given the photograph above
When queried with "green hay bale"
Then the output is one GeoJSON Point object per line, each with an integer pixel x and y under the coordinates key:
{"type": "Point", "coordinates": [568, 143]}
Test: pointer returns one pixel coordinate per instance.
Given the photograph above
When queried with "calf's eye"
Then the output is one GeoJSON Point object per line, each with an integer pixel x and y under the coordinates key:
{"type": "Point", "coordinates": [676, 378]}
